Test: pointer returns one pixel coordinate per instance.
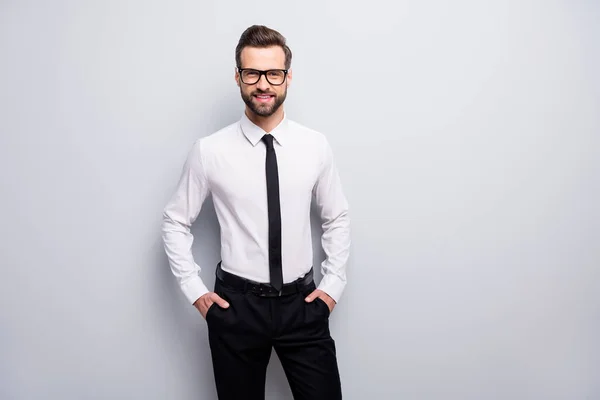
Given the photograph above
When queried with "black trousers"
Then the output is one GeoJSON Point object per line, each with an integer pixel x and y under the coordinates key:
{"type": "Point", "coordinates": [242, 337]}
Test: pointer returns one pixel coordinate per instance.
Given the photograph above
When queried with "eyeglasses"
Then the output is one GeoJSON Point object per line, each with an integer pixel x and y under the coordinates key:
{"type": "Point", "coordinates": [275, 77]}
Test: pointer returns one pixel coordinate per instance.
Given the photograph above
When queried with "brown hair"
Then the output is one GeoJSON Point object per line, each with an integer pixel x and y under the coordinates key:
{"type": "Point", "coordinates": [261, 36]}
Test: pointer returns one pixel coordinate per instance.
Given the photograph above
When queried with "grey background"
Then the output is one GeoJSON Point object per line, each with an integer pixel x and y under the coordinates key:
{"type": "Point", "coordinates": [467, 136]}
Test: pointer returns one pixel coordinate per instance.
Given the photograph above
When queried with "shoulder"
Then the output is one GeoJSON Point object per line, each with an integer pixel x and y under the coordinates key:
{"type": "Point", "coordinates": [312, 136]}
{"type": "Point", "coordinates": [315, 142]}
{"type": "Point", "coordinates": [216, 142]}
{"type": "Point", "coordinates": [204, 149]}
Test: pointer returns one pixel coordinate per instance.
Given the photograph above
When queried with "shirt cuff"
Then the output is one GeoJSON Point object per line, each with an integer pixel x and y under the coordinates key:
{"type": "Point", "coordinates": [333, 285]}
{"type": "Point", "coordinates": [193, 288]}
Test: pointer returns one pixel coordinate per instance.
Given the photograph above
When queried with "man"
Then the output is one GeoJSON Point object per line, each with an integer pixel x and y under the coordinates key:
{"type": "Point", "coordinates": [263, 172]}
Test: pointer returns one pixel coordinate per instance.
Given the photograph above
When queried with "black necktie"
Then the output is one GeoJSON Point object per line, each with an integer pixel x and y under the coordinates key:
{"type": "Point", "coordinates": [274, 214]}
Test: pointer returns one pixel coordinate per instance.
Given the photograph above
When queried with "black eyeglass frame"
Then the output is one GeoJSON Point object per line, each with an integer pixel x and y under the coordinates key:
{"type": "Point", "coordinates": [261, 73]}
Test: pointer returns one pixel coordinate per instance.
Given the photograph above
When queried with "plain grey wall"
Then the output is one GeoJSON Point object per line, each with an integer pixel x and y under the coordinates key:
{"type": "Point", "coordinates": [467, 136]}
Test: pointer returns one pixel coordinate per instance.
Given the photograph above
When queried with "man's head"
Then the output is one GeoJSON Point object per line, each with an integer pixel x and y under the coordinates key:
{"type": "Point", "coordinates": [263, 62]}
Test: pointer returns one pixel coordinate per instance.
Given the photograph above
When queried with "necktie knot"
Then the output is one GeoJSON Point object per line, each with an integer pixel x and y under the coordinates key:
{"type": "Point", "coordinates": [268, 139]}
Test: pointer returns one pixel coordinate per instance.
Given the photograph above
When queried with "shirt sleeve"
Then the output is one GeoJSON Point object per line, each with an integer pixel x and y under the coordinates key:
{"type": "Point", "coordinates": [332, 207]}
{"type": "Point", "coordinates": [178, 215]}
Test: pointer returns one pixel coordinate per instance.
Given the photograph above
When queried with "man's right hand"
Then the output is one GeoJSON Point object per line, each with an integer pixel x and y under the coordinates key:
{"type": "Point", "coordinates": [206, 300]}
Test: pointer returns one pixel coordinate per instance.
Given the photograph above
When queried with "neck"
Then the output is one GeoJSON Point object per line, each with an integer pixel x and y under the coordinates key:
{"type": "Point", "coordinates": [267, 124]}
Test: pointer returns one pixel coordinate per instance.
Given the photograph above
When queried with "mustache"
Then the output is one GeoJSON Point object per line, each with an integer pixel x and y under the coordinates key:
{"type": "Point", "coordinates": [260, 92]}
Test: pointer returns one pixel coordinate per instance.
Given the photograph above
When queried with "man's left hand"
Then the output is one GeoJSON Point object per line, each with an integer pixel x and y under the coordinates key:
{"type": "Point", "coordinates": [323, 296]}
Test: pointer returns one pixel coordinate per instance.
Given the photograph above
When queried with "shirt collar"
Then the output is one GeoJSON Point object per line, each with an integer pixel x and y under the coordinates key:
{"type": "Point", "coordinates": [254, 133]}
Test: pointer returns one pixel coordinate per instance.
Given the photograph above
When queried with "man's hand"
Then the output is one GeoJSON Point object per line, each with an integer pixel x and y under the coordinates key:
{"type": "Point", "coordinates": [323, 296]}
{"type": "Point", "coordinates": [205, 301]}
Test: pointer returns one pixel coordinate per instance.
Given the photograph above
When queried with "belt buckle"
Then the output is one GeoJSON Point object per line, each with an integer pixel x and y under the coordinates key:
{"type": "Point", "coordinates": [263, 291]}
{"type": "Point", "coordinates": [267, 291]}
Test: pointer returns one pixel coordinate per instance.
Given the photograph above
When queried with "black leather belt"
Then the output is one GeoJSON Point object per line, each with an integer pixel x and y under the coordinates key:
{"type": "Point", "coordinates": [262, 289]}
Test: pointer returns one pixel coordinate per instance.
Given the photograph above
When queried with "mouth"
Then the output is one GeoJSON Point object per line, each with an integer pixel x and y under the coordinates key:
{"type": "Point", "coordinates": [264, 98]}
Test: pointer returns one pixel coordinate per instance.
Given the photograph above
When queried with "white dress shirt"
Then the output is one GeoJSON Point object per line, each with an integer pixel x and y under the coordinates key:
{"type": "Point", "coordinates": [230, 165]}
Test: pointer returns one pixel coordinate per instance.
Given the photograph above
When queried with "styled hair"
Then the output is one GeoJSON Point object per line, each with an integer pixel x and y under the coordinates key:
{"type": "Point", "coordinates": [260, 36]}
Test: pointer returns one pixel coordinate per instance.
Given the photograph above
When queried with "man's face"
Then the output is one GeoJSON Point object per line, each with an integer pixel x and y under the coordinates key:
{"type": "Point", "coordinates": [262, 97]}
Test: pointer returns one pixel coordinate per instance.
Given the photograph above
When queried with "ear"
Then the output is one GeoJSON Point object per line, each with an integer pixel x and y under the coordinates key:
{"type": "Point", "coordinates": [237, 76]}
{"type": "Point", "coordinates": [289, 78]}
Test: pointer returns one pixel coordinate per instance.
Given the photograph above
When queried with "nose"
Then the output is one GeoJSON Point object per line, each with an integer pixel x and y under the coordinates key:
{"type": "Point", "coordinates": [262, 83]}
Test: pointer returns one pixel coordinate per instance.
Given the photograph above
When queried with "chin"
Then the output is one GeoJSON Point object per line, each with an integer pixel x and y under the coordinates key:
{"type": "Point", "coordinates": [265, 114]}
{"type": "Point", "coordinates": [264, 111]}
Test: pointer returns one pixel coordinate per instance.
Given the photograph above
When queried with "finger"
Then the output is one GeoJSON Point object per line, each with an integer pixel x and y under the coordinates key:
{"type": "Point", "coordinates": [220, 302]}
{"type": "Point", "coordinates": [312, 296]}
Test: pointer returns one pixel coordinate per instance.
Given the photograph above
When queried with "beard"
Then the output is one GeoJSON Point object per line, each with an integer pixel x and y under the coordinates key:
{"type": "Point", "coordinates": [264, 110]}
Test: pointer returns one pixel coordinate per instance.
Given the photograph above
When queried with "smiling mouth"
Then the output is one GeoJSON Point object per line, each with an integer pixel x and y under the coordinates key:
{"type": "Point", "coordinates": [263, 98]}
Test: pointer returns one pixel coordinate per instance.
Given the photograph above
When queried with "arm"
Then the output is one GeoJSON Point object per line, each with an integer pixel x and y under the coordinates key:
{"type": "Point", "coordinates": [332, 207]}
{"type": "Point", "coordinates": [179, 214]}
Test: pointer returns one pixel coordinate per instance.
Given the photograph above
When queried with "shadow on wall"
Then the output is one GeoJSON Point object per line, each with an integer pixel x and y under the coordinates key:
{"type": "Point", "coordinates": [184, 334]}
